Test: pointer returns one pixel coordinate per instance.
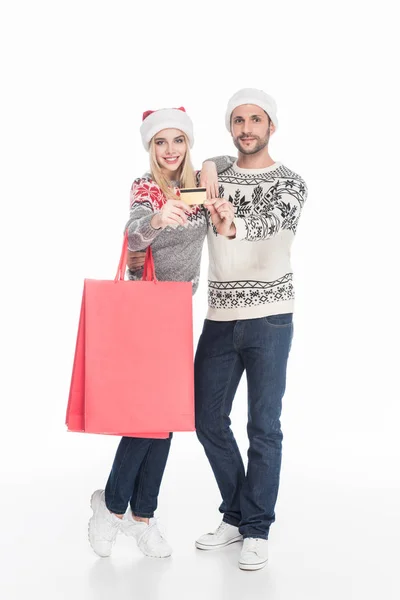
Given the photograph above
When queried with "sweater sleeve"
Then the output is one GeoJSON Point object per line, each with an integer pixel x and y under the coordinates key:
{"type": "Point", "coordinates": [222, 162]}
{"type": "Point", "coordinates": [282, 212]}
{"type": "Point", "coordinates": [146, 198]}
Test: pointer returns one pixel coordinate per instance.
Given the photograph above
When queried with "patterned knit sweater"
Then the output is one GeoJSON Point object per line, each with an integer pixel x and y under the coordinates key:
{"type": "Point", "coordinates": [176, 250]}
{"type": "Point", "coordinates": [251, 275]}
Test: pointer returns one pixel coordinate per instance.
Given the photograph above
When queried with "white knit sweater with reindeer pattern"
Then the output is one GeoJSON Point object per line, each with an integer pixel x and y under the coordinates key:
{"type": "Point", "coordinates": [251, 276]}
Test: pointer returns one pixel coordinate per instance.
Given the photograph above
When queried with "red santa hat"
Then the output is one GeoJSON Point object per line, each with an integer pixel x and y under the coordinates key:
{"type": "Point", "coordinates": [165, 118]}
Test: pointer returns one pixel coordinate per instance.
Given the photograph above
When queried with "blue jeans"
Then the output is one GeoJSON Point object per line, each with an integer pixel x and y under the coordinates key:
{"type": "Point", "coordinates": [136, 475]}
{"type": "Point", "coordinates": [226, 349]}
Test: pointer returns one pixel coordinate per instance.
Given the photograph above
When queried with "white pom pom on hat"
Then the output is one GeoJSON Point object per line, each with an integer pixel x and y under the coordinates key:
{"type": "Point", "coordinates": [165, 118]}
{"type": "Point", "coordinates": [251, 96]}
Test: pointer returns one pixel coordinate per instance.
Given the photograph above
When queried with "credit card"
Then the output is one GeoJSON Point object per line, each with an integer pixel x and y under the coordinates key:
{"type": "Point", "coordinates": [193, 195]}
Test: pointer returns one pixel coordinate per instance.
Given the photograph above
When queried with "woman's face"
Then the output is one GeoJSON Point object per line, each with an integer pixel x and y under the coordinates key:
{"type": "Point", "coordinates": [170, 147]}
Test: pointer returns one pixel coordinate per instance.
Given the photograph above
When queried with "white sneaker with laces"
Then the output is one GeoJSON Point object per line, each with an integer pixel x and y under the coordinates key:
{"type": "Point", "coordinates": [103, 525]}
{"type": "Point", "coordinates": [152, 541]}
{"type": "Point", "coordinates": [254, 554]}
{"type": "Point", "coordinates": [224, 535]}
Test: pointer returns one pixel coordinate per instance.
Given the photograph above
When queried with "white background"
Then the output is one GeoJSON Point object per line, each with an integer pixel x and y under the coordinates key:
{"type": "Point", "coordinates": [76, 77]}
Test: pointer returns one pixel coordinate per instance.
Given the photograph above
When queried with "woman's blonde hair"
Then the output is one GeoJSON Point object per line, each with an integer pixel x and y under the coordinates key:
{"type": "Point", "coordinates": [186, 176]}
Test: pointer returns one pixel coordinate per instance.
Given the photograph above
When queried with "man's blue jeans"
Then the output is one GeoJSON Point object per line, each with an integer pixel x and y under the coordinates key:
{"type": "Point", "coordinates": [226, 349]}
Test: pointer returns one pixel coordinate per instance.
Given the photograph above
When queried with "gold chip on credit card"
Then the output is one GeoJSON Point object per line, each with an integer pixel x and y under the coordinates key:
{"type": "Point", "coordinates": [193, 195]}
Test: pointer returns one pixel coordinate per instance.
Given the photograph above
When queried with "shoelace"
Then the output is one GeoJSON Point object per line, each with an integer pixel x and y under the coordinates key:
{"type": "Point", "coordinates": [251, 544]}
{"type": "Point", "coordinates": [155, 531]}
{"type": "Point", "coordinates": [220, 529]}
{"type": "Point", "coordinates": [132, 527]}
{"type": "Point", "coordinates": [160, 527]}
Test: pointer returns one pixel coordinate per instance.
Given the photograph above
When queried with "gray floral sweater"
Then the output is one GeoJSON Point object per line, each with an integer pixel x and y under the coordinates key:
{"type": "Point", "coordinates": [176, 250]}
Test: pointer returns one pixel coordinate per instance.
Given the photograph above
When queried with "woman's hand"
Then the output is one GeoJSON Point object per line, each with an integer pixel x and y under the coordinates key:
{"type": "Point", "coordinates": [172, 214]}
{"type": "Point", "coordinates": [136, 260]}
{"type": "Point", "coordinates": [209, 179]}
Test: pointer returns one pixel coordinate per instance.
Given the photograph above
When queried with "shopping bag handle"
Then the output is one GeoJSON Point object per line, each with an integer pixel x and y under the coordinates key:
{"type": "Point", "coordinates": [149, 273]}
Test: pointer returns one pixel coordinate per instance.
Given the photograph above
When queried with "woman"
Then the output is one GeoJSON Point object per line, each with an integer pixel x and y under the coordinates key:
{"type": "Point", "coordinates": [176, 234]}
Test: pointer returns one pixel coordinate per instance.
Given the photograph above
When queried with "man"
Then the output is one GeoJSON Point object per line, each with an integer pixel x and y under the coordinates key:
{"type": "Point", "coordinates": [249, 324]}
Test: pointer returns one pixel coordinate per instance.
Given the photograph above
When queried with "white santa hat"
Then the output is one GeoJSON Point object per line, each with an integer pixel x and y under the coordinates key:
{"type": "Point", "coordinates": [165, 118]}
{"type": "Point", "coordinates": [251, 96]}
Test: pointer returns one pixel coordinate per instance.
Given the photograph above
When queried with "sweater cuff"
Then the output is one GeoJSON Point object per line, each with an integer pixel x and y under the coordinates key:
{"type": "Point", "coordinates": [144, 235]}
{"type": "Point", "coordinates": [241, 230]}
{"type": "Point", "coordinates": [222, 163]}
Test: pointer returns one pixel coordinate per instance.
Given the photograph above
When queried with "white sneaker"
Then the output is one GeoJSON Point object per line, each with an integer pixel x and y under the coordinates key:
{"type": "Point", "coordinates": [152, 541]}
{"type": "Point", "coordinates": [149, 538]}
{"type": "Point", "coordinates": [224, 535]}
{"type": "Point", "coordinates": [103, 525]}
{"type": "Point", "coordinates": [254, 554]}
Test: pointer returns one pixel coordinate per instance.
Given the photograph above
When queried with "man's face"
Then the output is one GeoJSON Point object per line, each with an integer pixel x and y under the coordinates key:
{"type": "Point", "coordinates": [250, 128]}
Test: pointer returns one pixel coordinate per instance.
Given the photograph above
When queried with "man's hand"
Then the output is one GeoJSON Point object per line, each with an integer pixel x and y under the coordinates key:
{"type": "Point", "coordinates": [222, 215]}
{"type": "Point", "coordinates": [135, 260]}
{"type": "Point", "coordinates": [209, 179]}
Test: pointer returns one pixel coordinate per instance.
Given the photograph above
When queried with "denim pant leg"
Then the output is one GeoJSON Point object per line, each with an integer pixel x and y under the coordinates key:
{"type": "Point", "coordinates": [218, 370]}
{"type": "Point", "coordinates": [144, 499]}
{"type": "Point", "coordinates": [265, 351]}
{"type": "Point", "coordinates": [127, 462]}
